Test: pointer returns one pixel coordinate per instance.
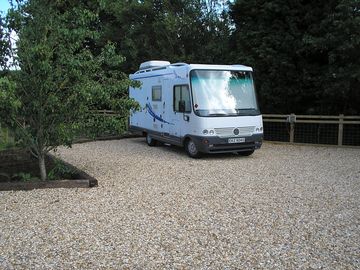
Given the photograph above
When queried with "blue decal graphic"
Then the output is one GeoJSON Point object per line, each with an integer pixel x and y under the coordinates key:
{"type": "Point", "coordinates": [153, 114]}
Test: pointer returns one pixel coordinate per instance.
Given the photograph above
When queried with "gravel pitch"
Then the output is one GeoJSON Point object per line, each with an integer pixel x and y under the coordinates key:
{"type": "Point", "coordinates": [285, 207]}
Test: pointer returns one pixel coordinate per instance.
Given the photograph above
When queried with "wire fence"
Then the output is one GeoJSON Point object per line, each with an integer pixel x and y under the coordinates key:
{"type": "Point", "coordinates": [314, 129]}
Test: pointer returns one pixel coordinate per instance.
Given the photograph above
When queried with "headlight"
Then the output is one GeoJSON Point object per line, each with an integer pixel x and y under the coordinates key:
{"type": "Point", "coordinates": [208, 132]}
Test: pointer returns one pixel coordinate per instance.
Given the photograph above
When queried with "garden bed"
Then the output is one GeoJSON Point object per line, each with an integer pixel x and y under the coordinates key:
{"type": "Point", "coordinates": [19, 171]}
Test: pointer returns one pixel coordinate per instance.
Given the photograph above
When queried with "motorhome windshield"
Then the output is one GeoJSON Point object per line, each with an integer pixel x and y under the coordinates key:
{"type": "Point", "coordinates": [223, 93]}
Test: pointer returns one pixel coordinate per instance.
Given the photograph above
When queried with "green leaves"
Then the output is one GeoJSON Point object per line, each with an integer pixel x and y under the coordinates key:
{"type": "Point", "coordinates": [9, 102]}
{"type": "Point", "coordinates": [62, 78]}
{"type": "Point", "coordinates": [177, 31]}
{"type": "Point", "coordinates": [305, 53]}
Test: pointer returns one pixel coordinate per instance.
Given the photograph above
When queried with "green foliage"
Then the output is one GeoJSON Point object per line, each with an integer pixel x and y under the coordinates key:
{"type": "Point", "coordinates": [305, 53]}
{"type": "Point", "coordinates": [8, 139]}
{"type": "Point", "coordinates": [24, 177]}
{"type": "Point", "coordinates": [61, 79]}
{"type": "Point", "coordinates": [60, 171]}
{"type": "Point", "coordinates": [6, 143]}
{"type": "Point", "coordinates": [178, 31]}
{"type": "Point", "coordinates": [9, 102]}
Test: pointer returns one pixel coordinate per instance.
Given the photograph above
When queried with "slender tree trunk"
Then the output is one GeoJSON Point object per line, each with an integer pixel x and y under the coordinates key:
{"type": "Point", "coordinates": [42, 167]}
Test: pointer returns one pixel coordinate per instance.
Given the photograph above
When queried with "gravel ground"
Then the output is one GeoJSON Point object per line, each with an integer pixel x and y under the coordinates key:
{"type": "Point", "coordinates": [285, 207]}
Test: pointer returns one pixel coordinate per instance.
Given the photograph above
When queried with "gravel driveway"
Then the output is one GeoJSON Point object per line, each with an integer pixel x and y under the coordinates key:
{"type": "Point", "coordinates": [285, 207]}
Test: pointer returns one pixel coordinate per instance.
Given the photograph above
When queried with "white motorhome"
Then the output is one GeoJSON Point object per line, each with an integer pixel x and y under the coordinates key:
{"type": "Point", "coordinates": [205, 108]}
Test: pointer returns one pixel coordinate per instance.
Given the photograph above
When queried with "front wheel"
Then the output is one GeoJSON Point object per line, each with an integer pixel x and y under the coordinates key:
{"type": "Point", "coordinates": [192, 149]}
{"type": "Point", "coordinates": [150, 141]}
{"type": "Point", "coordinates": [246, 153]}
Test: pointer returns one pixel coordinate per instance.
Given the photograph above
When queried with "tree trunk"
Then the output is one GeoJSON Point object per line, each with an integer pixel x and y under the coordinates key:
{"type": "Point", "coordinates": [42, 167]}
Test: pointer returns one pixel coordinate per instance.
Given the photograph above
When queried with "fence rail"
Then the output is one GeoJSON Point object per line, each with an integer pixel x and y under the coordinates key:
{"type": "Point", "coordinates": [321, 129]}
{"type": "Point", "coordinates": [315, 129]}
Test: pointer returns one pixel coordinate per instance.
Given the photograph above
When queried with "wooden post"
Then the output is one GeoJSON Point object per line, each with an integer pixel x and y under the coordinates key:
{"type": "Point", "coordinates": [341, 129]}
{"type": "Point", "coordinates": [292, 128]}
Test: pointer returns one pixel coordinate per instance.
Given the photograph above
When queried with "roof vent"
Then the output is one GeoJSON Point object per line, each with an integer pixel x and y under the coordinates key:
{"type": "Point", "coordinates": [153, 64]}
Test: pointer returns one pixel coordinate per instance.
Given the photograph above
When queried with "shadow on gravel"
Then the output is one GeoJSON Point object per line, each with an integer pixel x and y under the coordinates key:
{"type": "Point", "coordinates": [181, 152]}
{"type": "Point", "coordinates": [19, 170]}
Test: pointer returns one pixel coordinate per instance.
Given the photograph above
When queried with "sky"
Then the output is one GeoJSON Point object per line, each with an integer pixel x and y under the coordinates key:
{"type": "Point", "coordinates": [4, 5]}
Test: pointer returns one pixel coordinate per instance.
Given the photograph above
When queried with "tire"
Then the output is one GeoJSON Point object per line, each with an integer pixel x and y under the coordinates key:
{"type": "Point", "coordinates": [191, 149]}
{"type": "Point", "coordinates": [150, 141]}
{"type": "Point", "coordinates": [246, 153]}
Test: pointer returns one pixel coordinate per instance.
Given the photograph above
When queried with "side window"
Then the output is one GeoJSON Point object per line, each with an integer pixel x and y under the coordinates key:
{"type": "Point", "coordinates": [182, 93]}
{"type": "Point", "coordinates": [156, 93]}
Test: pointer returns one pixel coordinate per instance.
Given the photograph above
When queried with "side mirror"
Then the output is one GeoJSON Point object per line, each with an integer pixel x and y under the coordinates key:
{"type": "Point", "coordinates": [182, 106]}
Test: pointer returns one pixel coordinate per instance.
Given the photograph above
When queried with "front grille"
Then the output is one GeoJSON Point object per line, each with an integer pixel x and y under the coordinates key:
{"type": "Point", "coordinates": [232, 147]}
{"type": "Point", "coordinates": [229, 131]}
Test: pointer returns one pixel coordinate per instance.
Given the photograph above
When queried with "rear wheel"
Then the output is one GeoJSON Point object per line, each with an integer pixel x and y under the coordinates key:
{"type": "Point", "coordinates": [150, 141]}
{"type": "Point", "coordinates": [192, 149]}
{"type": "Point", "coordinates": [246, 153]}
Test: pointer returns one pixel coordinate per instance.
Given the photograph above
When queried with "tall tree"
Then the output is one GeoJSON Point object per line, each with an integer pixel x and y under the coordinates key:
{"type": "Point", "coordinates": [305, 53]}
{"type": "Point", "coordinates": [5, 44]}
{"type": "Point", "coordinates": [176, 30]}
{"type": "Point", "coordinates": [50, 99]}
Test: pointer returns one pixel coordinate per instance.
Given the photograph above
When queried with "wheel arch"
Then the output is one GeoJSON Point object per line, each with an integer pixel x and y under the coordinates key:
{"type": "Point", "coordinates": [185, 139]}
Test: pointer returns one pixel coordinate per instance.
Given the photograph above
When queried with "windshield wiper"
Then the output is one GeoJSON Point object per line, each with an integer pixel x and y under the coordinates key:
{"type": "Point", "coordinates": [217, 114]}
{"type": "Point", "coordinates": [245, 109]}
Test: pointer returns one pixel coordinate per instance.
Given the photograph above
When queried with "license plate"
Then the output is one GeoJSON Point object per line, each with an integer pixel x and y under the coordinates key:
{"type": "Point", "coordinates": [236, 140]}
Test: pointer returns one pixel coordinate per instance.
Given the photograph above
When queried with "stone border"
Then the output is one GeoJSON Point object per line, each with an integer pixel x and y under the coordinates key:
{"type": "Point", "coordinates": [7, 186]}
{"type": "Point", "coordinates": [83, 181]}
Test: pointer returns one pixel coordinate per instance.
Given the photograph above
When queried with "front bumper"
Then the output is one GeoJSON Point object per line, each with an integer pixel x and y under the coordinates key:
{"type": "Point", "coordinates": [221, 145]}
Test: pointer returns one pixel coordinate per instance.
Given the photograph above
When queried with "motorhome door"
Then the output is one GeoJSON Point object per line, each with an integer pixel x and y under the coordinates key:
{"type": "Point", "coordinates": [181, 108]}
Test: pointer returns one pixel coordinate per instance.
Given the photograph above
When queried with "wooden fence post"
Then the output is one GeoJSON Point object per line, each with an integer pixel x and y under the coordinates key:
{"type": "Point", "coordinates": [341, 129]}
{"type": "Point", "coordinates": [292, 127]}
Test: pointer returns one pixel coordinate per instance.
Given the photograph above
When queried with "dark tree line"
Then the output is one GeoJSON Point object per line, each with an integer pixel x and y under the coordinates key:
{"type": "Point", "coordinates": [175, 30]}
{"type": "Point", "coordinates": [306, 54]}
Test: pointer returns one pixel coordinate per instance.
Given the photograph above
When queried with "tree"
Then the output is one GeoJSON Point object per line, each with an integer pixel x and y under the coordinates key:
{"type": "Point", "coordinates": [342, 44]}
{"type": "Point", "coordinates": [178, 31]}
{"type": "Point", "coordinates": [305, 53]}
{"type": "Point", "coordinates": [60, 81]}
